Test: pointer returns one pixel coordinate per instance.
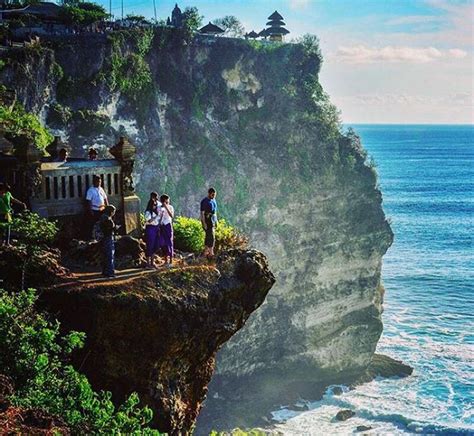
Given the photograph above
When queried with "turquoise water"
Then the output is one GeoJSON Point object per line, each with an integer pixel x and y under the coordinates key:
{"type": "Point", "coordinates": [426, 175]}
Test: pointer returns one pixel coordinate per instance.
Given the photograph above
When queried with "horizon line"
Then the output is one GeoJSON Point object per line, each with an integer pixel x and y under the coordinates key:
{"type": "Point", "coordinates": [407, 124]}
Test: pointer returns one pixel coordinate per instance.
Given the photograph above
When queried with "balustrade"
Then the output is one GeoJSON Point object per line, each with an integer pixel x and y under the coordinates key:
{"type": "Point", "coordinates": [65, 184]}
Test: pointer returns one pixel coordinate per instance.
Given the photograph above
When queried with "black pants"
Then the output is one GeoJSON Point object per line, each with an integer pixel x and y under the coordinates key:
{"type": "Point", "coordinates": [210, 239]}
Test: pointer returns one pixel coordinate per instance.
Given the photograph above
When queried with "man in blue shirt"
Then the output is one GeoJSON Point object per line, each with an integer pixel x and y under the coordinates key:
{"type": "Point", "coordinates": [209, 221]}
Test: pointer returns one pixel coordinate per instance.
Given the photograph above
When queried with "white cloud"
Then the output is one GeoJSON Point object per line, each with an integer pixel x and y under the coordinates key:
{"type": "Point", "coordinates": [461, 99]}
{"type": "Point", "coordinates": [456, 19]}
{"type": "Point", "coordinates": [393, 108]}
{"type": "Point", "coordinates": [299, 4]}
{"type": "Point", "coordinates": [362, 54]}
{"type": "Point", "coordinates": [412, 19]}
{"type": "Point", "coordinates": [457, 53]}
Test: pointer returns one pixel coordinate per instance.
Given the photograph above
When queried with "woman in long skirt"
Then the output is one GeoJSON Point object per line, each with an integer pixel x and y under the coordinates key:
{"type": "Point", "coordinates": [166, 229]}
{"type": "Point", "coordinates": [152, 229]}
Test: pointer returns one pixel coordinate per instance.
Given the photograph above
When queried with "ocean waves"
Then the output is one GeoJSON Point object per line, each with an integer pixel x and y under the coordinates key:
{"type": "Point", "coordinates": [427, 180]}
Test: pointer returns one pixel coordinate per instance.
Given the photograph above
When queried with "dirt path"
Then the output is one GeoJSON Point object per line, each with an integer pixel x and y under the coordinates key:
{"type": "Point", "coordinates": [95, 277]}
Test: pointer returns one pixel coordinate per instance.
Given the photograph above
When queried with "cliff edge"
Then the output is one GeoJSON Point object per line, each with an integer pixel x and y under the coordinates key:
{"type": "Point", "coordinates": [158, 334]}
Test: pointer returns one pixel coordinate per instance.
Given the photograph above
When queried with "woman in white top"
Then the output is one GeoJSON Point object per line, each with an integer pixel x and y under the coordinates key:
{"type": "Point", "coordinates": [152, 229]}
{"type": "Point", "coordinates": [166, 229]}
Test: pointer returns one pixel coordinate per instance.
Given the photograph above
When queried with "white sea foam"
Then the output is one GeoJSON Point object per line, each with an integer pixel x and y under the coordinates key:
{"type": "Point", "coordinates": [428, 274]}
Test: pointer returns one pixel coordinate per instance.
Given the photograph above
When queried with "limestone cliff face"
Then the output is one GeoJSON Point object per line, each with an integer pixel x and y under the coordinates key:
{"type": "Point", "coordinates": [158, 334]}
{"type": "Point", "coordinates": [252, 120]}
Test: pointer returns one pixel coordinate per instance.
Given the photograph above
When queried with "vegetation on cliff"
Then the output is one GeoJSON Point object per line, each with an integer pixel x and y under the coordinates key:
{"type": "Point", "coordinates": [129, 72]}
{"type": "Point", "coordinates": [16, 122]}
{"type": "Point", "coordinates": [189, 235]}
{"type": "Point", "coordinates": [82, 13]}
{"type": "Point", "coordinates": [35, 356]}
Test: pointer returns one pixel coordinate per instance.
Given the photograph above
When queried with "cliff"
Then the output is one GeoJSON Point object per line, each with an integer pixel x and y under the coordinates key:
{"type": "Point", "coordinates": [253, 120]}
{"type": "Point", "coordinates": [158, 333]}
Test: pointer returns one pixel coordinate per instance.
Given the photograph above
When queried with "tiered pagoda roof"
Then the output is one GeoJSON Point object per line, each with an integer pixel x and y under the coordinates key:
{"type": "Point", "coordinates": [275, 23]}
{"type": "Point", "coordinates": [211, 29]}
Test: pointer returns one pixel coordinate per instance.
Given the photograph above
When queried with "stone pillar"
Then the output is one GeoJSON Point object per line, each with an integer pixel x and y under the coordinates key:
{"type": "Point", "coordinates": [29, 166]}
{"type": "Point", "coordinates": [124, 151]}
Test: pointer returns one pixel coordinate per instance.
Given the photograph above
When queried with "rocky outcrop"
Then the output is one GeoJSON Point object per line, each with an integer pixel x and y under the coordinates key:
{"type": "Point", "coordinates": [253, 120]}
{"type": "Point", "coordinates": [158, 334]}
{"type": "Point", "coordinates": [344, 415]}
{"type": "Point", "coordinates": [30, 268]}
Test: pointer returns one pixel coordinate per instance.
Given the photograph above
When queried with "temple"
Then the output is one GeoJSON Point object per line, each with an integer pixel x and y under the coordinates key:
{"type": "Point", "coordinates": [251, 35]}
{"type": "Point", "coordinates": [275, 30]}
{"type": "Point", "coordinates": [176, 19]}
{"type": "Point", "coordinates": [211, 29]}
{"type": "Point", "coordinates": [57, 189]}
{"type": "Point", "coordinates": [38, 18]}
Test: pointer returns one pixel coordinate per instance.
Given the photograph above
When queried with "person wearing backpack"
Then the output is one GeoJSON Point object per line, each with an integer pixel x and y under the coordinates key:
{"type": "Point", "coordinates": [6, 200]}
{"type": "Point", "coordinates": [107, 228]}
{"type": "Point", "coordinates": [152, 229]}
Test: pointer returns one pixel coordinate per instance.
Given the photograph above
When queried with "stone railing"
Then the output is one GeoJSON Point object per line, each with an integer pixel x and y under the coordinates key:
{"type": "Point", "coordinates": [58, 189]}
{"type": "Point", "coordinates": [64, 185]}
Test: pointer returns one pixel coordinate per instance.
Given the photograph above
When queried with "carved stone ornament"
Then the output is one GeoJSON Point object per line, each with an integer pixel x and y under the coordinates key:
{"type": "Point", "coordinates": [124, 150]}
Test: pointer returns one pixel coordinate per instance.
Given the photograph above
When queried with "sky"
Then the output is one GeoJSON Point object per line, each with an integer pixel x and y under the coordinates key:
{"type": "Point", "coordinates": [385, 61]}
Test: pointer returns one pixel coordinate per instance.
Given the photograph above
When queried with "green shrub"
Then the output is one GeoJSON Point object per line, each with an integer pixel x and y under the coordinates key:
{"type": "Point", "coordinates": [34, 355]}
{"type": "Point", "coordinates": [17, 122]}
{"type": "Point", "coordinates": [33, 231]}
{"type": "Point", "coordinates": [228, 237]}
{"type": "Point", "coordinates": [129, 71]}
{"type": "Point", "coordinates": [57, 71]}
{"type": "Point", "coordinates": [189, 235]}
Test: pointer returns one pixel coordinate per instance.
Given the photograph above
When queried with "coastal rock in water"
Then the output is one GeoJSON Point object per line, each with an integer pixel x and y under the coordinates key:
{"type": "Point", "coordinates": [383, 366]}
{"type": "Point", "coordinates": [363, 428]}
{"type": "Point", "coordinates": [344, 415]}
{"type": "Point", "coordinates": [158, 334]}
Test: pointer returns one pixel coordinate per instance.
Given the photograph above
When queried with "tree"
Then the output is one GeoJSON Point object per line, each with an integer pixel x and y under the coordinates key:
{"type": "Point", "coordinates": [192, 20]}
{"type": "Point", "coordinates": [137, 19]}
{"type": "Point", "coordinates": [83, 14]}
{"type": "Point", "coordinates": [232, 26]}
{"type": "Point", "coordinates": [69, 2]}
{"type": "Point", "coordinates": [310, 44]}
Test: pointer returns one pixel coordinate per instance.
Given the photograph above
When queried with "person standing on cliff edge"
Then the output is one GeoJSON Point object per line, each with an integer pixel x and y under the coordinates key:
{"type": "Point", "coordinates": [209, 221]}
{"type": "Point", "coordinates": [107, 228]}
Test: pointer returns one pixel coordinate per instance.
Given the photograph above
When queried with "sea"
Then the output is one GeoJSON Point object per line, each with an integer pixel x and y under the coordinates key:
{"type": "Point", "coordinates": [426, 174]}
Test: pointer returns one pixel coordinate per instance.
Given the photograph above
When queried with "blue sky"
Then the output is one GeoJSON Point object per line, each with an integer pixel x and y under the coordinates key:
{"type": "Point", "coordinates": [386, 61]}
